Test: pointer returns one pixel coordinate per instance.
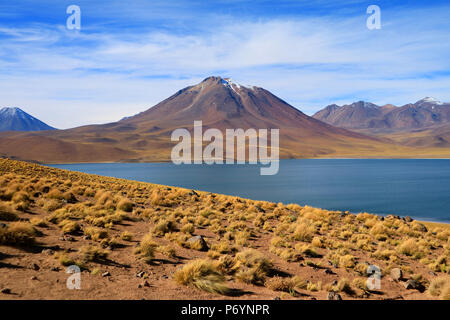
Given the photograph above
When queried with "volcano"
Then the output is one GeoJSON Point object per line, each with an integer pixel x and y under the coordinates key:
{"type": "Point", "coordinates": [219, 103]}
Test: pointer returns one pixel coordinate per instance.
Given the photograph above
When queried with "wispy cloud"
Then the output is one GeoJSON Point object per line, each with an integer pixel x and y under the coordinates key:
{"type": "Point", "coordinates": [108, 70]}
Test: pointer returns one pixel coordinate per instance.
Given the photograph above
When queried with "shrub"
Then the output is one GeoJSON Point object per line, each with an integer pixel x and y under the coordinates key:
{"type": "Point", "coordinates": [93, 253]}
{"type": "Point", "coordinates": [65, 260]}
{"type": "Point", "coordinates": [147, 248]}
{"type": "Point", "coordinates": [440, 287]}
{"type": "Point", "coordinates": [125, 205]}
{"type": "Point", "coordinates": [344, 286]}
{"type": "Point", "coordinates": [202, 274]}
{"type": "Point", "coordinates": [307, 250]}
{"type": "Point", "coordinates": [304, 232]}
{"type": "Point", "coordinates": [188, 228]}
{"type": "Point", "coordinates": [163, 227]}
{"type": "Point", "coordinates": [55, 194]}
{"type": "Point", "coordinates": [126, 236]}
{"type": "Point", "coordinates": [17, 233]}
{"type": "Point", "coordinates": [408, 247]}
{"type": "Point", "coordinates": [283, 284]}
{"type": "Point", "coordinates": [253, 266]}
{"type": "Point", "coordinates": [69, 227]}
{"type": "Point", "coordinates": [167, 251]}
{"type": "Point", "coordinates": [317, 242]}
{"type": "Point", "coordinates": [20, 196]}
{"type": "Point", "coordinates": [7, 213]}
{"type": "Point", "coordinates": [38, 222]}
{"type": "Point", "coordinates": [347, 261]}
{"type": "Point", "coordinates": [310, 286]}
{"type": "Point", "coordinates": [96, 233]}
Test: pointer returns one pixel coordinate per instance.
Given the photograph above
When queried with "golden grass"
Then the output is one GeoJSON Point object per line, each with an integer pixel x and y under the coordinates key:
{"type": "Point", "coordinates": [96, 207]}
{"type": "Point", "coordinates": [7, 213]}
{"type": "Point", "coordinates": [202, 274]}
{"type": "Point", "coordinates": [440, 287]}
{"type": "Point", "coordinates": [17, 233]}
{"type": "Point", "coordinates": [147, 248]}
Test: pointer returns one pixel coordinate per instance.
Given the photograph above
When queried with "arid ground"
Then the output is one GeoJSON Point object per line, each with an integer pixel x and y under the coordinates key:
{"type": "Point", "coordinates": [135, 240]}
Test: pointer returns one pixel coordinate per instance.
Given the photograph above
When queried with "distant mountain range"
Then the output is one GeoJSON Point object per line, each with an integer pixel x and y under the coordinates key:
{"type": "Point", "coordinates": [424, 123]}
{"type": "Point", "coordinates": [15, 119]}
{"type": "Point", "coordinates": [220, 103]}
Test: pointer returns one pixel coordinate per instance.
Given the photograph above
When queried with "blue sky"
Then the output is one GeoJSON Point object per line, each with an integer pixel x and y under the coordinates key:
{"type": "Point", "coordinates": [129, 55]}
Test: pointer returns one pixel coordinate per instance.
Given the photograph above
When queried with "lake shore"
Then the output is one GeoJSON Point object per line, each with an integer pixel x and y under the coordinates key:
{"type": "Point", "coordinates": [406, 187]}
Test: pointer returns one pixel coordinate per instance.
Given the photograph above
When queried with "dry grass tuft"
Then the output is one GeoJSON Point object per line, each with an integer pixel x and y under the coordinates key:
{"type": "Point", "coordinates": [440, 287]}
{"type": "Point", "coordinates": [202, 274]}
{"type": "Point", "coordinates": [17, 233]}
{"type": "Point", "coordinates": [147, 248]}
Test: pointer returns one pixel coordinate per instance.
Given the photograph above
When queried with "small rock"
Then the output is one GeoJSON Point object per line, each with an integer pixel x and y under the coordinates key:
{"type": "Point", "coordinates": [260, 209]}
{"type": "Point", "coordinates": [332, 264]}
{"type": "Point", "coordinates": [35, 267]}
{"type": "Point", "coordinates": [106, 274]}
{"type": "Point", "coordinates": [139, 286]}
{"type": "Point", "coordinates": [408, 219]}
{"type": "Point", "coordinates": [6, 290]}
{"type": "Point", "coordinates": [397, 274]}
{"type": "Point", "coordinates": [201, 241]}
{"type": "Point", "coordinates": [140, 274]}
{"type": "Point", "coordinates": [67, 238]}
{"type": "Point", "coordinates": [54, 269]}
{"type": "Point", "coordinates": [333, 296]}
{"type": "Point", "coordinates": [334, 283]}
{"type": "Point", "coordinates": [34, 278]}
{"type": "Point", "coordinates": [164, 276]}
{"type": "Point", "coordinates": [431, 273]}
{"type": "Point", "coordinates": [277, 298]}
{"type": "Point", "coordinates": [328, 271]}
{"type": "Point", "coordinates": [421, 227]}
{"type": "Point", "coordinates": [47, 251]}
{"type": "Point", "coordinates": [2, 225]}
{"type": "Point", "coordinates": [381, 218]}
{"type": "Point", "coordinates": [413, 284]}
{"type": "Point", "coordinates": [146, 284]}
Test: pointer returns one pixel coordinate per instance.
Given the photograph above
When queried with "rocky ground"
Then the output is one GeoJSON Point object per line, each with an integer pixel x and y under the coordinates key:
{"type": "Point", "coordinates": [134, 240]}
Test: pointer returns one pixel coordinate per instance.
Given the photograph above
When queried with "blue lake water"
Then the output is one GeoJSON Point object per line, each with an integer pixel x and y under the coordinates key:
{"type": "Point", "coordinates": [419, 188]}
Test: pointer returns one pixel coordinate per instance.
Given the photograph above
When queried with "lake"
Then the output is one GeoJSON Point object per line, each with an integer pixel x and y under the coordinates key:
{"type": "Point", "coordinates": [415, 187]}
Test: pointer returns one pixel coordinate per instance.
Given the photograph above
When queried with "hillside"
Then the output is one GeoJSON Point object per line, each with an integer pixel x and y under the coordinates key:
{"type": "Point", "coordinates": [219, 103]}
{"type": "Point", "coordinates": [136, 240]}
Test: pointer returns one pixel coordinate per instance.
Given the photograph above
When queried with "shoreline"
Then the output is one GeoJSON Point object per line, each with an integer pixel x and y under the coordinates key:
{"type": "Point", "coordinates": [169, 161]}
{"type": "Point", "coordinates": [420, 219]}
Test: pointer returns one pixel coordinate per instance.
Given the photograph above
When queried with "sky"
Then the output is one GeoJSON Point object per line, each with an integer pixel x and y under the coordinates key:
{"type": "Point", "coordinates": [130, 55]}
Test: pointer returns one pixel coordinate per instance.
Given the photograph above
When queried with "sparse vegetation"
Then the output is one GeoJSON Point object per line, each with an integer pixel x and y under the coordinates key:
{"type": "Point", "coordinates": [99, 219]}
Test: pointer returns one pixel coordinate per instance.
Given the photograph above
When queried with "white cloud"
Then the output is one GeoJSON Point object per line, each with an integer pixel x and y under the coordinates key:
{"type": "Point", "coordinates": [69, 79]}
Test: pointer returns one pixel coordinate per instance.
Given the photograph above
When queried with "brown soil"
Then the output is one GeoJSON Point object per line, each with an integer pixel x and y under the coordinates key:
{"type": "Point", "coordinates": [18, 262]}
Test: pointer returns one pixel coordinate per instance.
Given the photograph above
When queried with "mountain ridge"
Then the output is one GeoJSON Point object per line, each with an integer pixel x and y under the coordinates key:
{"type": "Point", "coordinates": [219, 103]}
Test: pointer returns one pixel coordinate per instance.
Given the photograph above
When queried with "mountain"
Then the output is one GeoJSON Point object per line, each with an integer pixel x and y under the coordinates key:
{"type": "Point", "coordinates": [15, 119]}
{"type": "Point", "coordinates": [424, 113]}
{"type": "Point", "coordinates": [220, 103]}
{"type": "Point", "coordinates": [425, 123]}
